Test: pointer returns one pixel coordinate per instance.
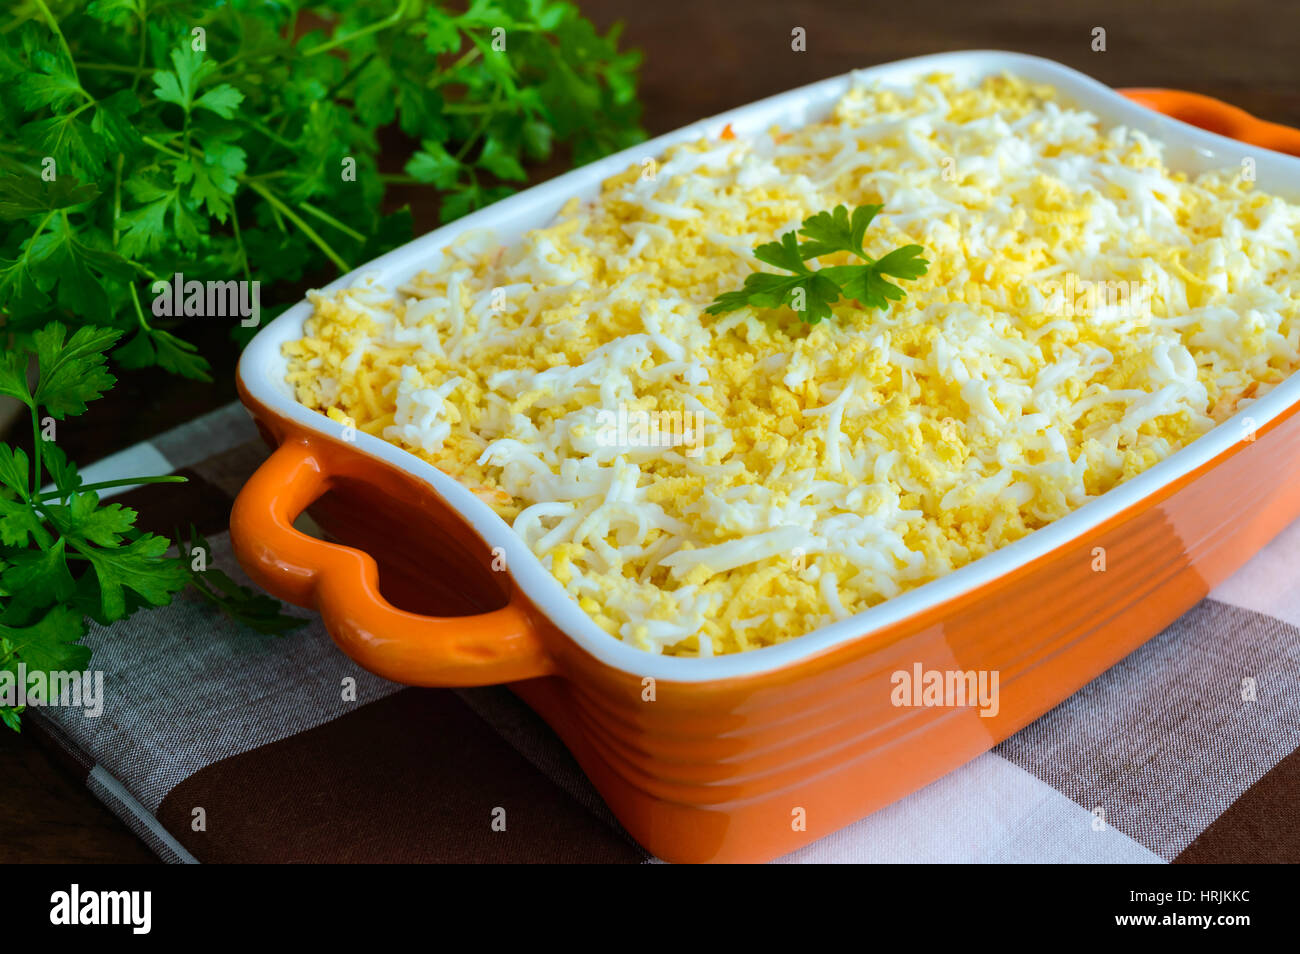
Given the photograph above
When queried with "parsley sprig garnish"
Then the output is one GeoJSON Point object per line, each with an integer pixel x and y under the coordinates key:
{"type": "Point", "coordinates": [812, 292]}
{"type": "Point", "coordinates": [64, 555]}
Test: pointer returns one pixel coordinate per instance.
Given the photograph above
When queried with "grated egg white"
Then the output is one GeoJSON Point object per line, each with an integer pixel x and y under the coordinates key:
{"type": "Point", "coordinates": [843, 463]}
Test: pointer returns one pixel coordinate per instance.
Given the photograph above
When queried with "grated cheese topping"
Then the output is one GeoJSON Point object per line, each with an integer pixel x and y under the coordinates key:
{"type": "Point", "coordinates": [1087, 312]}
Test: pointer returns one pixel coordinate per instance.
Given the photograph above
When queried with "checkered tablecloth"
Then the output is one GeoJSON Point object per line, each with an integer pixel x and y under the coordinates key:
{"type": "Point", "coordinates": [218, 744]}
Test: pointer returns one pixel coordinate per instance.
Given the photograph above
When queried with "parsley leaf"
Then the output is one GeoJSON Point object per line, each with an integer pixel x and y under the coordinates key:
{"type": "Point", "coordinates": [22, 196]}
{"type": "Point", "coordinates": [64, 554]}
{"type": "Point", "coordinates": [141, 566]}
{"type": "Point", "coordinates": [835, 231]}
{"type": "Point", "coordinates": [18, 521]}
{"type": "Point", "coordinates": [51, 643]}
{"type": "Point", "coordinates": [807, 291]}
{"type": "Point", "coordinates": [72, 372]}
{"type": "Point", "coordinates": [812, 292]}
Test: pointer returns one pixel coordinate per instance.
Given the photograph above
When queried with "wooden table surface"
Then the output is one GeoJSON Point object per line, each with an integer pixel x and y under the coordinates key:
{"type": "Point", "coordinates": [702, 57]}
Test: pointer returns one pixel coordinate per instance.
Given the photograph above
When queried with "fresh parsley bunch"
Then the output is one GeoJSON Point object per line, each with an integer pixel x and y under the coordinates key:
{"type": "Point", "coordinates": [238, 140]}
{"type": "Point", "coordinates": [64, 555]}
{"type": "Point", "coordinates": [811, 292]}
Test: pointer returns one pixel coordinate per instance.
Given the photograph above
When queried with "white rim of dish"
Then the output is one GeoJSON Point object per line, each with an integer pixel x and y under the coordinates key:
{"type": "Point", "coordinates": [262, 367]}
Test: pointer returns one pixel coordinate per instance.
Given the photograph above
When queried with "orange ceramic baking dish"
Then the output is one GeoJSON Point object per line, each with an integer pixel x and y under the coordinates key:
{"type": "Point", "coordinates": [748, 757]}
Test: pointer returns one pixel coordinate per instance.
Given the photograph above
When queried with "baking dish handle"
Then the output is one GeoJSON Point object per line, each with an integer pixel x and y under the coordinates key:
{"type": "Point", "coordinates": [1219, 117]}
{"type": "Point", "coordinates": [343, 584]}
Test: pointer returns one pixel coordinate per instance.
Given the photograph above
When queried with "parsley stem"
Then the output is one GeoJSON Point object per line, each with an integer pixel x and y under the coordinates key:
{"type": "Point", "coordinates": [451, 71]}
{"type": "Point", "coordinates": [39, 229]}
{"type": "Point", "coordinates": [348, 77]}
{"type": "Point", "coordinates": [330, 220]}
{"type": "Point", "coordinates": [269, 134]}
{"type": "Point", "coordinates": [113, 68]}
{"type": "Point", "coordinates": [123, 482]}
{"type": "Point", "coordinates": [469, 109]}
{"type": "Point", "coordinates": [383, 24]}
{"type": "Point", "coordinates": [478, 130]}
{"type": "Point", "coordinates": [239, 243]}
{"type": "Point", "coordinates": [63, 42]}
{"type": "Point", "coordinates": [154, 144]}
{"type": "Point", "coordinates": [144, 45]}
{"type": "Point", "coordinates": [31, 242]}
{"type": "Point", "coordinates": [139, 312]}
{"type": "Point", "coordinates": [81, 109]}
{"type": "Point", "coordinates": [37, 441]}
{"type": "Point", "coordinates": [297, 220]}
{"type": "Point", "coordinates": [117, 194]}
{"type": "Point", "coordinates": [270, 52]}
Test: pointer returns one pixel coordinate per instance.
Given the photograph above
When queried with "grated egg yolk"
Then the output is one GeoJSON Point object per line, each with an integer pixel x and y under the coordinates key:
{"type": "Point", "coordinates": [1087, 312]}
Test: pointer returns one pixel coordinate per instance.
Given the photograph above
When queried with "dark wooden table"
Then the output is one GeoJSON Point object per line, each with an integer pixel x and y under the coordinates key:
{"type": "Point", "coordinates": [702, 57]}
